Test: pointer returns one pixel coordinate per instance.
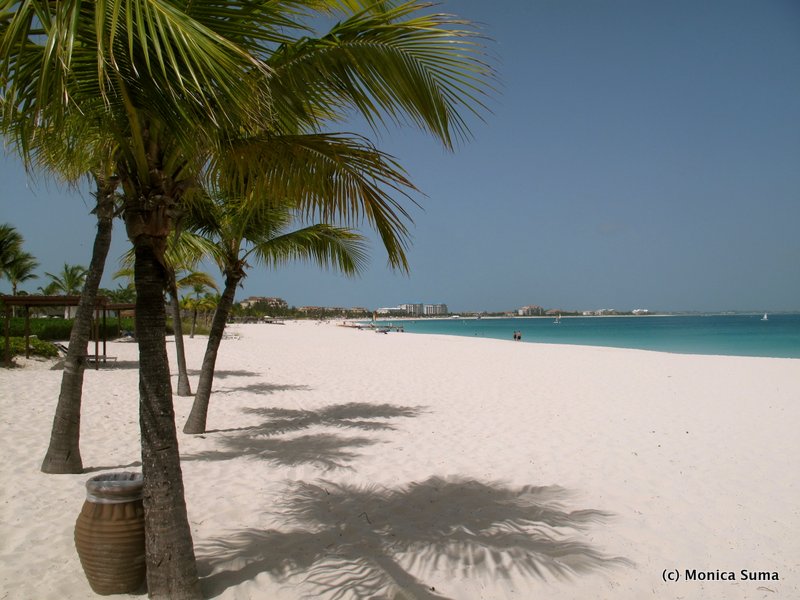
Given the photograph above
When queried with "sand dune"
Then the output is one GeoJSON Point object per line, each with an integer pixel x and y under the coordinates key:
{"type": "Point", "coordinates": [344, 464]}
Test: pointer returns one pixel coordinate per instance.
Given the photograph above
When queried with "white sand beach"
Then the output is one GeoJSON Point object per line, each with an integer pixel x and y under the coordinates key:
{"type": "Point", "coordinates": [344, 464]}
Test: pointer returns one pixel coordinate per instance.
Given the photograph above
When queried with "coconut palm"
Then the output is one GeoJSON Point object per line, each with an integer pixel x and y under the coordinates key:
{"type": "Point", "coordinates": [61, 56]}
{"type": "Point", "coordinates": [204, 306]}
{"type": "Point", "coordinates": [47, 290]}
{"type": "Point", "coordinates": [123, 294]}
{"type": "Point", "coordinates": [70, 155]}
{"type": "Point", "coordinates": [182, 277]}
{"type": "Point", "coordinates": [156, 82]}
{"type": "Point", "coordinates": [20, 269]}
{"type": "Point", "coordinates": [63, 452]}
{"type": "Point", "coordinates": [70, 281]}
{"type": "Point", "coordinates": [200, 301]}
{"type": "Point", "coordinates": [10, 246]}
{"type": "Point", "coordinates": [242, 235]}
{"type": "Point", "coordinates": [183, 255]}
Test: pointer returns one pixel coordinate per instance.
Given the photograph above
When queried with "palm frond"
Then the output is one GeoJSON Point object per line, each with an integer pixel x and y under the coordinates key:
{"type": "Point", "coordinates": [330, 178]}
{"type": "Point", "coordinates": [323, 245]}
{"type": "Point", "coordinates": [196, 279]}
{"type": "Point", "coordinates": [393, 63]}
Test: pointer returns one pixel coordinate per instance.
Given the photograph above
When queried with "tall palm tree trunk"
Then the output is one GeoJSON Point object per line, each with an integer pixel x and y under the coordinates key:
{"type": "Point", "coordinates": [196, 423]}
{"type": "Point", "coordinates": [183, 389]}
{"type": "Point", "coordinates": [171, 567]}
{"type": "Point", "coordinates": [194, 322]}
{"type": "Point", "coordinates": [63, 454]}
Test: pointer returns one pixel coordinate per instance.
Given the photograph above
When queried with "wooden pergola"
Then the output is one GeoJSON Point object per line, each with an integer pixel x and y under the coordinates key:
{"type": "Point", "coordinates": [101, 308]}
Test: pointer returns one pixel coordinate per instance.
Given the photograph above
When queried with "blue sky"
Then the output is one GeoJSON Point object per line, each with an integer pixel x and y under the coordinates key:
{"type": "Point", "coordinates": [639, 154]}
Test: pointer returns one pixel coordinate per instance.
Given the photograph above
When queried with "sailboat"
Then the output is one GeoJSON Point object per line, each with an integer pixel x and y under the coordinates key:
{"type": "Point", "coordinates": [765, 318]}
{"type": "Point", "coordinates": [558, 320]}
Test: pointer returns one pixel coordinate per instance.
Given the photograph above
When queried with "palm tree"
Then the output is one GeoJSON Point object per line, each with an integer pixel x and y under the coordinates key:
{"type": "Point", "coordinates": [63, 452]}
{"type": "Point", "coordinates": [70, 281]}
{"type": "Point", "coordinates": [59, 57]}
{"type": "Point", "coordinates": [156, 85]}
{"type": "Point", "coordinates": [179, 279]}
{"type": "Point", "coordinates": [183, 254]}
{"type": "Point", "coordinates": [199, 302]}
{"type": "Point", "coordinates": [47, 290]}
{"type": "Point", "coordinates": [21, 269]}
{"type": "Point", "coordinates": [262, 236]}
{"type": "Point", "coordinates": [201, 306]}
{"type": "Point", "coordinates": [183, 257]}
{"type": "Point", "coordinates": [10, 246]}
{"type": "Point", "coordinates": [195, 304]}
{"type": "Point", "coordinates": [123, 294]}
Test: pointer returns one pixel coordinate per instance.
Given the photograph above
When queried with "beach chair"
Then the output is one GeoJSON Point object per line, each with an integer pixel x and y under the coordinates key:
{"type": "Point", "coordinates": [90, 358]}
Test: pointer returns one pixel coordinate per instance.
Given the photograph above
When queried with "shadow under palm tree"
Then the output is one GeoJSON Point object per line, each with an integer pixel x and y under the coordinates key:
{"type": "Point", "coordinates": [356, 415]}
{"type": "Point", "coordinates": [368, 542]}
{"type": "Point", "coordinates": [326, 451]}
{"type": "Point", "coordinates": [229, 373]}
{"type": "Point", "coordinates": [262, 388]}
{"type": "Point", "coordinates": [103, 365]}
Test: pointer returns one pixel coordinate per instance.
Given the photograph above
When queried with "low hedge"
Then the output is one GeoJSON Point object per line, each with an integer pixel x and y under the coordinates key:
{"type": "Point", "coordinates": [60, 329]}
{"type": "Point", "coordinates": [38, 347]}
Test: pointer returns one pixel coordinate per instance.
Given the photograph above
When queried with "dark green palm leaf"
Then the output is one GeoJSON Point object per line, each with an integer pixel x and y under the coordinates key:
{"type": "Point", "coordinates": [327, 177]}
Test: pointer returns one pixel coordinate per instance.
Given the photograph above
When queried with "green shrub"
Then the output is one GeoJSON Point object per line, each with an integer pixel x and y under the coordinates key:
{"type": "Point", "coordinates": [44, 329]}
{"type": "Point", "coordinates": [60, 329]}
{"type": "Point", "coordinates": [38, 347]}
{"type": "Point", "coordinates": [200, 329]}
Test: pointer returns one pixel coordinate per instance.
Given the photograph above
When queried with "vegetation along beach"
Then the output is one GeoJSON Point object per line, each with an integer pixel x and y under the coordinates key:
{"type": "Point", "coordinates": [301, 299]}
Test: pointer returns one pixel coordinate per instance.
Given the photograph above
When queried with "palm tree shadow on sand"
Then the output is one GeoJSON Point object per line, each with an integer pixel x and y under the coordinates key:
{"type": "Point", "coordinates": [324, 450]}
{"type": "Point", "coordinates": [370, 542]}
{"type": "Point", "coordinates": [223, 373]}
{"type": "Point", "coordinates": [352, 415]}
{"type": "Point", "coordinates": [262, 388]}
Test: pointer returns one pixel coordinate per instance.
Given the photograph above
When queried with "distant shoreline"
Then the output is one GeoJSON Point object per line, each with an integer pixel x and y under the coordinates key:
{"type": "Point", "coordinates": [564, 316]}
{"type": "Point", "coordinates": [745, 334]}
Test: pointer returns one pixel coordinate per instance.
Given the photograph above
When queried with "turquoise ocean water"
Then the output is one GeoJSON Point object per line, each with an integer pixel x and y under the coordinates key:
{"type": "Point", "coordinates": [733, 335]}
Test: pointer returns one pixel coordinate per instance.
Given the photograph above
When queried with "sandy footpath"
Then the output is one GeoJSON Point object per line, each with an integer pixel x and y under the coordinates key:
{"type": "Point", "coordinates": [347, 464]}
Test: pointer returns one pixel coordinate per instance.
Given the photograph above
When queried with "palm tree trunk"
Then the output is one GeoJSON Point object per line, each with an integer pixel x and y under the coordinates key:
{"type": "Point", "coordinates": [194, 322]}
{"type": "Point", "coordinates": [184, 389]}
{"type": "Point", "coordinates": [63, 454]}
{"type": "Point", "coordinates": [171, 566]}
{"type": "Point", "coordinates": [196, 423]}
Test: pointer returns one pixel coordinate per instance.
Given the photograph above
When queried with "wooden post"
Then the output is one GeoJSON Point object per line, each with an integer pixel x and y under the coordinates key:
{"type": "Point", "coordinates": [96, 328]}
{"type": "Point", "coordinates": [105, 332]}
{"type": "Point", "coordinates": [8, 336]}
{"type": "Point", "coordinates": [27, 332]}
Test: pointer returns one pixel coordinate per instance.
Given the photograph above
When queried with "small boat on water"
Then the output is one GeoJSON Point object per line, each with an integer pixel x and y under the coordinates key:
{"type": "Point", "coordinates": [765, 317]}
{"type": "Point", "coordinates": [558, 320]}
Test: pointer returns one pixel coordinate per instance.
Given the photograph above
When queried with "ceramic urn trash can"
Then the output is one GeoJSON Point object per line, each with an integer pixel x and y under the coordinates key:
{"type": "Point", "coordinates": [109, 533]}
